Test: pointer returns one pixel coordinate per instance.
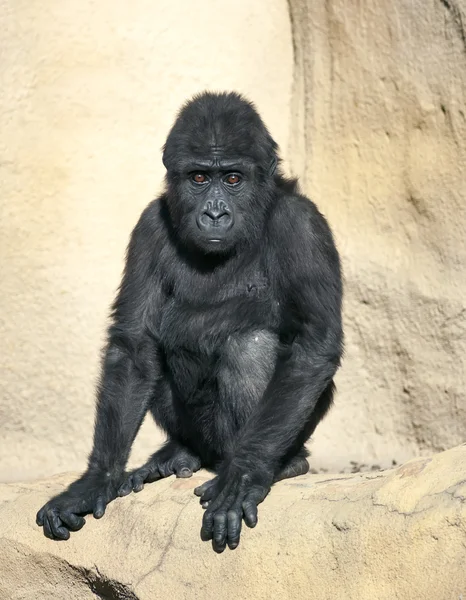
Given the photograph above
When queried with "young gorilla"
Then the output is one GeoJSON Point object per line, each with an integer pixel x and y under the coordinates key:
{"type": "Point", "coordinates": [227, 327]}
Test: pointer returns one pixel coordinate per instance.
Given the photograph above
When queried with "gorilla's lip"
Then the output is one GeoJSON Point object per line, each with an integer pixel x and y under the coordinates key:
{"type": "Point", "coordinates": [215, 240]}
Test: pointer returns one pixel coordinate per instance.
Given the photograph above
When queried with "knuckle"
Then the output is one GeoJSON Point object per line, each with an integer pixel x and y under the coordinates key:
{"type": "Point", "coordinates": [219, 517]}
{"type": "Point", "coordinates": [245, 478]}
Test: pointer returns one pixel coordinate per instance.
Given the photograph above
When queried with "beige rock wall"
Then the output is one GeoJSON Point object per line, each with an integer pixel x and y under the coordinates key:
{"type": "Point", "coordinates": [88, 91]}
{"type": "Point", "coordinates": [378, 536]}
{"type": "Point", "coordinates": [380, 96]}
{"type": "Point", "coordinates": [367, 100]}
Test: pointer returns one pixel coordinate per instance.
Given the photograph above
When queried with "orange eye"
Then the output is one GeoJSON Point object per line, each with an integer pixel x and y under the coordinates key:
{"type": "Point", "coordinates": [199, 178]}
{"type": "Point", "coordinates": [232, 179]}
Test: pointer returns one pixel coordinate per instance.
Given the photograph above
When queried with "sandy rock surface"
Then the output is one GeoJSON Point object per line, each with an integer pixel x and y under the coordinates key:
{"type": "Point", "coordinates": [376, 536]}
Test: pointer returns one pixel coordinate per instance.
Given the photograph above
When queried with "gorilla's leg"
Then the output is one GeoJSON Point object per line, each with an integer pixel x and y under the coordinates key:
{"type": "Point", "coordinates": [298, 465]}
{"type": "Point", "coordinates": [171, 459]}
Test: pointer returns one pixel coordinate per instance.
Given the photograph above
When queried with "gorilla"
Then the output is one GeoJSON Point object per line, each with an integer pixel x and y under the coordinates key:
{"type": "Point", "coordinates": [226, 327]}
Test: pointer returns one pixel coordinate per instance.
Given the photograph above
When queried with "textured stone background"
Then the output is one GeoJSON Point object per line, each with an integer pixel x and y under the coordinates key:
{"type": "Point", "coordinates": [367, 101]}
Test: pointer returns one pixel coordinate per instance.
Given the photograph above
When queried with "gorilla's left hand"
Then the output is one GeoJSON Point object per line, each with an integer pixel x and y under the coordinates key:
{"type": "Point", "coordinates": [234, 494]}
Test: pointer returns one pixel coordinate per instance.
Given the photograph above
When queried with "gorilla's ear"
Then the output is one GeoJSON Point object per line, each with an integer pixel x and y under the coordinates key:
{"type": "Point", "coordinates": [273, 166]}
{"type": "Point", "coordinates": [164, 157]}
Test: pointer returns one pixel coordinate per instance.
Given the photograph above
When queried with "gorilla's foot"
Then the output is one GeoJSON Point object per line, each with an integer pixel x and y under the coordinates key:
{"type": "Point", "coordinates": [172, 459]}
{"type": "Point", "coordinates": [298, 465]}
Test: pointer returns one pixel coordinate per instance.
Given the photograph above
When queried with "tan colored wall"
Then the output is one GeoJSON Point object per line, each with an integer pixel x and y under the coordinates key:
{"type": "Point", "coordinates": [380, 94]}
{"type": "Point", "coordinates": [88, 92]}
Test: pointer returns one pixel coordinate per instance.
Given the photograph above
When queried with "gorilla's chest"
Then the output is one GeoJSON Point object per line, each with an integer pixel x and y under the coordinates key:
{"type": "Point", "coordinates": [202, 326]}
{"type": "Point", "coordinates": [227, 344]}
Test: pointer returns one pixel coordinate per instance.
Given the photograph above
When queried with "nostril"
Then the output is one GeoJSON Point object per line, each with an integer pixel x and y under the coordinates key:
{"type": "Point", "coordinates": [215, 215]}
{"type": "Point", "coordinates": [214, 218]}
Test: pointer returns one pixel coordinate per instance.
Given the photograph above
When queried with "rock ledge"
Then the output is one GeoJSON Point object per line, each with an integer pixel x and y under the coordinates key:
{"type": "Point", "coordinates": [394, 534]}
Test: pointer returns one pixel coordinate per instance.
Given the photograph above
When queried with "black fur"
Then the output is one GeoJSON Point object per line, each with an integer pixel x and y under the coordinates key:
{"type": "Point", "coordinates": [227, 328]}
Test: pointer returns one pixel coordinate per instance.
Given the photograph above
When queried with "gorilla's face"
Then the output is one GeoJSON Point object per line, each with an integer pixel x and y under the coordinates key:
{"type": "Point", "coordinates": [215, 206]}
{"type": "Point", "coordinates": [220, 162]}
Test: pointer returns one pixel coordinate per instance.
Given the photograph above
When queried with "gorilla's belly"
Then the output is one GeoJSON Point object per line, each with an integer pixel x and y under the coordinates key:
{"type": "Point", "coordinates": [246, 367]}
{"type": "Point", "coordinates": [214, 394]}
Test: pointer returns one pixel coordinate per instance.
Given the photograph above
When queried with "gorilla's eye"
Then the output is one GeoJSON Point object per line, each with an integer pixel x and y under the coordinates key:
{"type": "Point", "coordinates": [233, 179]}
{"type": "Point", "coordinates": [199, 178]}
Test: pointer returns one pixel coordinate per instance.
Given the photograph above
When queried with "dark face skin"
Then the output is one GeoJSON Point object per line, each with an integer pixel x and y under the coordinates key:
{"type": "Point", "coordinates": [220, 162]}
{"type": "Point", "coordinates": [213, 205]}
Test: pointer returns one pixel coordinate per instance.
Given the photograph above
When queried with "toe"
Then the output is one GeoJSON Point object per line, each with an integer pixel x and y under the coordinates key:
{"type": "Point", "coordinates": [184, 473]}
{"type": "Point", "coordinates": [201, 489]}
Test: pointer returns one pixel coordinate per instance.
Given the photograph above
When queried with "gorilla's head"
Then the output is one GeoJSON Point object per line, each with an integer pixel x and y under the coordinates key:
{"type": "Point", "coordinates": [220, 162]}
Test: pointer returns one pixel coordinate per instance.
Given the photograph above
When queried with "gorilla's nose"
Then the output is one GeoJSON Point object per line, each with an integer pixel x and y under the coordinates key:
{"type": "Point", "coordinates": [216, 211]}
{"type": "Point", "coordinates": [215, 217]}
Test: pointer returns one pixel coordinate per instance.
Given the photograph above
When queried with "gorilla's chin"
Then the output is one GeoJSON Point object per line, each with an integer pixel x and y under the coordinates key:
{"type": "Point", "coordinates": [215, 245]}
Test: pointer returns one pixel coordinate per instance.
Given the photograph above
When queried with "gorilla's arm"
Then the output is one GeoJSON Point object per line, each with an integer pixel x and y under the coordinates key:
{"type": "Point", "coordinates": [305, 368]}
{"type": "Point", "coordinates": [129, 370]}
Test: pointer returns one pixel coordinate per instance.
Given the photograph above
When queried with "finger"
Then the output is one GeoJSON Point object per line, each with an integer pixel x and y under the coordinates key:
{"type": "Point", "coordinates": [72, 521]}
{"type": "Point", "coordinates": [235, 519]}
{"type": "Point", "coordinates": [218, 498]}
{"type": "Point", "coordinates": [200, 490]}
{"type": "Point", "coordinates": [47, 529]}
{"type": "Point", "coordinates": [250, 512]}
{"type": "Point", "coordinates": [219, 538]}
{"type": "Point", "coordinates": [138, 482]}
{"type": "Point", "coordinates": [56, 526]}
{"type": "Point", "coordinates": [99, 508]}
{"type": "Point", "coordinates": [207, 529]}
{"type": "Point", "coordinates": [221, 503]}
{"type": "Point", "coordinates": [40, 517]}
{"type": "Point", "coordinates": [126, 487]}
{"type": "Point", "coordinates": [253, 498]}
{"type": "Point", "coordinates": [153, 475]}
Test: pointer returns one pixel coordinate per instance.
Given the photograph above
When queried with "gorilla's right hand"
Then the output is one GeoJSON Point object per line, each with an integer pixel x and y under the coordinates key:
{"type": "Point", "coordinates": [64, 513]}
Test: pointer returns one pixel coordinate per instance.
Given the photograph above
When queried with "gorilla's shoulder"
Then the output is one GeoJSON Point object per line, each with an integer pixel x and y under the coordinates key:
{"type": "Point", "coordinates": [296, 217]}
{"type": "Point", "coordinates": [152, 222]}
